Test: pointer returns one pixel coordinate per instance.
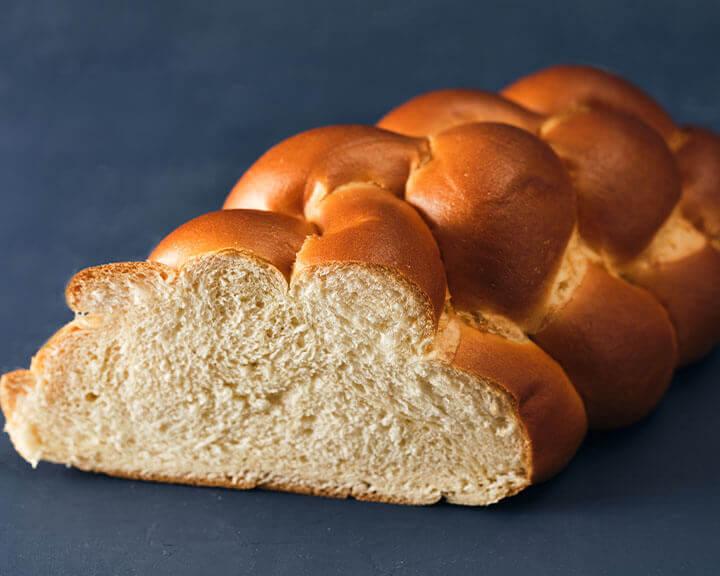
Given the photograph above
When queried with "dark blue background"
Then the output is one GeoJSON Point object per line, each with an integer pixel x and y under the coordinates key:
{"type": "Point", "coordinates": [119, 122]}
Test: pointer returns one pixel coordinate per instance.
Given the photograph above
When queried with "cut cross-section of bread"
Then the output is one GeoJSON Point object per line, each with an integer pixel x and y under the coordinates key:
{"type": "Point", "coordinates": [221, 371]}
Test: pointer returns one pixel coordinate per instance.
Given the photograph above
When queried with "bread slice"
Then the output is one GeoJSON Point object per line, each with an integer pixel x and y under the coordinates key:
{"type": "Point", "coordinates": [224, 373]}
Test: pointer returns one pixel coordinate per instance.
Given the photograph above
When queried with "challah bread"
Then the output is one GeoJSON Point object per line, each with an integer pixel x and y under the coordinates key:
{"type": "Point", "coordinates": [433, 308]}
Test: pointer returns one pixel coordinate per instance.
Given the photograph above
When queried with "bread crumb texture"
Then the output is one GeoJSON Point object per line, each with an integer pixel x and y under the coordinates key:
{"type": "Point", "coordinates": [224, 374]}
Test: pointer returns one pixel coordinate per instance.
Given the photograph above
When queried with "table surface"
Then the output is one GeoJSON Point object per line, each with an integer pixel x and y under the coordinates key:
{"type": "Point", "coordinates": [119, 122]}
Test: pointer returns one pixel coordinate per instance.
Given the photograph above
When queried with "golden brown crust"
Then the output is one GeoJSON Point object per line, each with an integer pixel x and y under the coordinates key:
{"type": "Point", "coordinates": [617, 345]}
{"type": "Point", "coordinates": [698, 158]}
{"type": "Point", "coordinates": [689, 288]}
{"type": "Point", "coordinates": [278, 179]}
{"type": "Point", "coordinates": [380, 158]}
{"type": "Point", "coordinates": [273, 237]}
{"type": "Point", "coordinates": [624, 174]}
{"type": "Point", "coordinates": [547, 404]}
{"type": "Point", "coordinates": [440, 110]}
{"type": "Point", "coordinates": [560, 88]}
{"type": "Point", "coordinates": [368, 224]}
{"type": "Point", "coordinates": [502, 210]}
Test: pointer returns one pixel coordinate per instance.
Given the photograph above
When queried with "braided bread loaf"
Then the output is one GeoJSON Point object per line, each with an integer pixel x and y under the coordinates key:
{"type": "Point", "coordinates": [432, 308]}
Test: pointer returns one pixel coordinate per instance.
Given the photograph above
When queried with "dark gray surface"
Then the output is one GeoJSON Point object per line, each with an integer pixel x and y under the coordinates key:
{"type": "Point", "coordinates": [119, 123]}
